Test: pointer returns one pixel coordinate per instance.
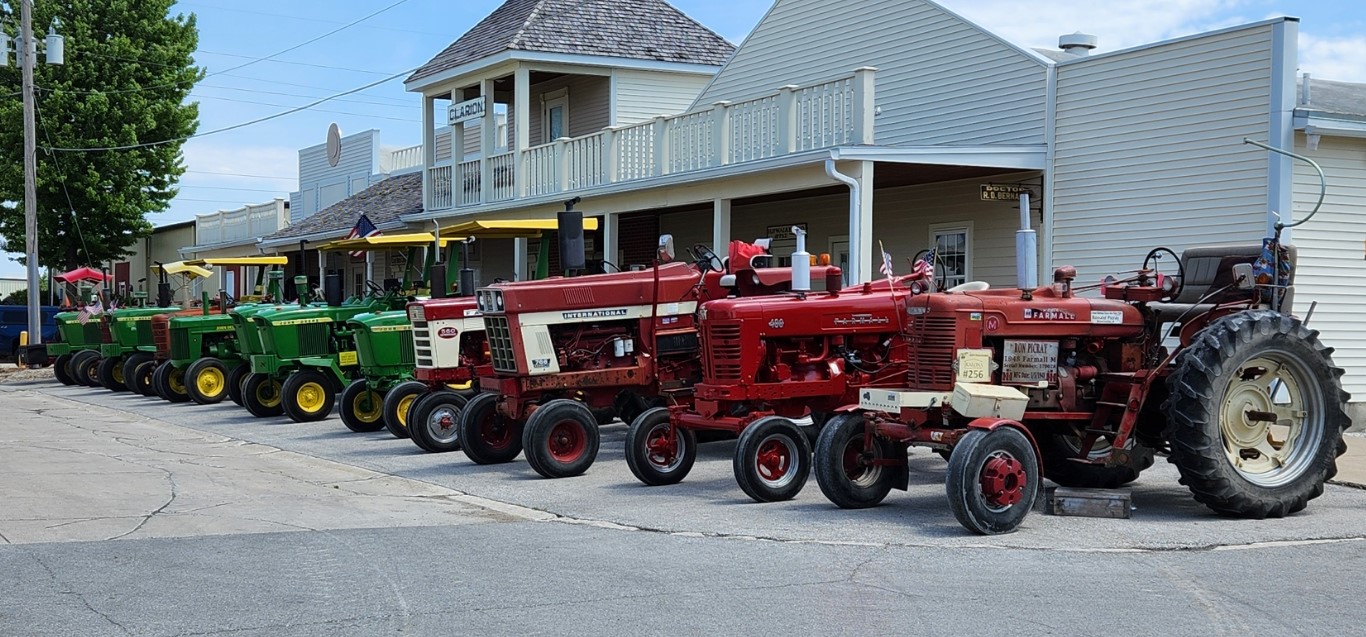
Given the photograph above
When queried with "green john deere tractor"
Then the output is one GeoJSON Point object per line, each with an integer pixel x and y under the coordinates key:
{"type": "Point", "coordinates": [74, 335]}
{"type": "Point", "coordinates": [129, 341]}
{"type": "Point", "coordinates": [204, 348]}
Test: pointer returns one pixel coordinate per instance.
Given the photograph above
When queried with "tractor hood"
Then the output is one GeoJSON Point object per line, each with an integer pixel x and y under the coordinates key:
{"type": "Point", "coordinates": [677, 282]}
{"type": "Point", "coordinates": [458, 307]}
{"type": "Point", "coordinates": [1045, 315]}
{"type": "Point", "coordinates": [790, 313]}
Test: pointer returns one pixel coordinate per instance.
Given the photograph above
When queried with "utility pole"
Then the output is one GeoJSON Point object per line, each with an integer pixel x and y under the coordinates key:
{"type": "Point", "coordinates": [29, 57]}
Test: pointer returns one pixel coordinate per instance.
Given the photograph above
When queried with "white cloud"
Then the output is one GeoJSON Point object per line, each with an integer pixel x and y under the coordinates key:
{"type": "Point", "coordinates": [1342, 59]}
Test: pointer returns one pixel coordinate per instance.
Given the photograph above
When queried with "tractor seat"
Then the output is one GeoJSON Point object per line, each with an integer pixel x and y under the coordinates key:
{"type": "Point", "coordinates": [1209, 268]}
{"type": "Point", "coordinates": [970, 286]}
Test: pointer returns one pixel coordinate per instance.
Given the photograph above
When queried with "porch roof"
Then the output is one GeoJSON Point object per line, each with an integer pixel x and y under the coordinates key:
{"type": "Point", "coordinates": [637, 29]}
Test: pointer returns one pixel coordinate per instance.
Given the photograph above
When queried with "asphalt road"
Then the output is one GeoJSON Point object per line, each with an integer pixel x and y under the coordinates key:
{"type": "Point", "coordinates": [611, 556]}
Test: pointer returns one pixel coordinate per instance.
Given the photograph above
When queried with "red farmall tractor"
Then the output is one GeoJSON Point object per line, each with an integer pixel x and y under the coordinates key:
{"type": "Point", "coordinates": [569, 354]}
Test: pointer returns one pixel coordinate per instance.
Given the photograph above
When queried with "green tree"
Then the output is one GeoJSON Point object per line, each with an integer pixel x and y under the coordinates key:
{"type": "Point", "coordinates": [128, 71]}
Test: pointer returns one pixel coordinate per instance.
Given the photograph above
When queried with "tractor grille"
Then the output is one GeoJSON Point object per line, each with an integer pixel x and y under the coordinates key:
{"type": "Point", "coordinates": [180, 345]}
{"type": "Point", "coordinates": [161, 336]}
{"type": "Point", "coordinates": [422, 344]}
{"type": "Point", "coordinates": [144, 332]}
{"type": "Point", "coordinates": [500, 343]}
{"type": "Point", "coordinates": [93, 332]}
{"type": "Point", "coordinates": [405, 348]}
{"type": "Point", "coordinates": [106, 336]}
{"type": "Point", "coordinates": [315, 339]}
{"type": "Point", "coordinates": [932, 346]}
{"type": "Point", "coordinates": [723, 351]}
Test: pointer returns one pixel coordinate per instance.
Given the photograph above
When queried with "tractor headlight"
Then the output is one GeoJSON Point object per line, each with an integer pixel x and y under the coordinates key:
{"type": "Point", "coordinates": [416, 313]}
{"type": "Point", "coordinates": [479, 301]}
{"type": "Point", "coordinates": [498, 300]}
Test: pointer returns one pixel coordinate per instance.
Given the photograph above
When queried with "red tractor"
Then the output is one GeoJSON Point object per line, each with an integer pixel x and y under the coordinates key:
{"type": "Point", "coordinates": [569, 354]}
{"type": "Point", "coordinates": [448, 336]}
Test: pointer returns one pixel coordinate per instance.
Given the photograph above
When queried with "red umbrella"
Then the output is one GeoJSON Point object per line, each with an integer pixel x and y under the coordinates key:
{"type": "Point", "coordinates": [78, 275]}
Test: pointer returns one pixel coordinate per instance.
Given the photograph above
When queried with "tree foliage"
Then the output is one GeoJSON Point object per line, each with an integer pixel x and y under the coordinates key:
{"type": "Point", "coordinates": [128, 71]}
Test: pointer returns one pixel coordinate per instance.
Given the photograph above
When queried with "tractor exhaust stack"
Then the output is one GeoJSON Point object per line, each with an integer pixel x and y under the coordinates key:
{"type": "Point", "coordinates": [1026, 251]}
{"type": "Point", "coordinates": [570, 231]}
{"type": "Point", "coordinates": [801, 263]}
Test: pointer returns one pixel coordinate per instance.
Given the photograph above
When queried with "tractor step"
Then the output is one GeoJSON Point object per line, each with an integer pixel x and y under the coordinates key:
{"type": "Point", "coordinates": [1090, 503]}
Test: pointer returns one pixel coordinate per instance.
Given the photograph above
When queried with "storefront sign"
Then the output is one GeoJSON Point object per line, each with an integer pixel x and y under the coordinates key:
{"type": "Point", "coordinates": [784, 232]}
{"type": "Point", "coordinates": [465, 111]}
{"type": "Point", "coordinates": [1005, 192]}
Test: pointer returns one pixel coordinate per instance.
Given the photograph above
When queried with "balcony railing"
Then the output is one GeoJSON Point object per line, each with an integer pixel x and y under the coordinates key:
{"type": "Point", "coordinates": [240, 224]}
{"type": "Point", "coordinates": [792, 119]}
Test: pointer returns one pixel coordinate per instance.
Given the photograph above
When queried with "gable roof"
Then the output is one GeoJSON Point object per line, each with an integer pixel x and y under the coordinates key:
{"type": "Point", "coordinates": [636, 29]}
{"type": "Point", "coordinates": [383, 202]}
{"type": "Point", "coordinates": [1338, 98]}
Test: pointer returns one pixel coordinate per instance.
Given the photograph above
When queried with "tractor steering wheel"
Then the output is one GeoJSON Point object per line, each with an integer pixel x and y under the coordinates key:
{"type": "Point", "coordinates": [374, 287]}
{"type": "Point", "coordinates": [1171, 286]}
{"type": "Point", "coordinates": [705, 257]}
{"type": "Point", "coordinates": [941, 269]}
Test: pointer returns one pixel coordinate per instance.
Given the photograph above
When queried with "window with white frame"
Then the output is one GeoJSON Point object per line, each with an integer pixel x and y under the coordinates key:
{"type": "Point", "coordinates": [555, 114]}
{"type": "Point", "coordinates": [953, 248]}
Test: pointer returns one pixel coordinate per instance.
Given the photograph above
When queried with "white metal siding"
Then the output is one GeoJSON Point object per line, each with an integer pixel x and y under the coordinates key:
{"type": "Point", "coordinates": [443, 146]}
{"type": "Point", "coordinates": [590, 103]}
{"type": "Point", "coordinates": [940, 79]}
{"type": "Point", "coordinates": [641, 95]}
{"type": "Point", "coordinates": [1331, 265]}
{"type": "Point", "coordinates": [358, 162]}
{"type": "Point", "coordinates": [1148, 150]}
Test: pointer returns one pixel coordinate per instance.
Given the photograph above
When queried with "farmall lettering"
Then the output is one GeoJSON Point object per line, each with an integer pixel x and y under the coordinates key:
{"type": "Point", "coordinates": [1029, 362]}
{"type": "Point", "coordinates": [1048, 314]}
{"type": "Point", "coordinates": [861, 319]}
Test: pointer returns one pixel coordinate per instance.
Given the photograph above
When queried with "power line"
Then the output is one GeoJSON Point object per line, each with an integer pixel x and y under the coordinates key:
{"type": "Point", "coordinates": [226, 174]}
{"type": "Point", "coordinates": [244, 64]}
{"type": "Point", "coordinates": [234, 126]}
{"type": "Point", "coordinates": [316, 88]}
{"type": "Point", "coordinates": [308, 64]}
{"type": "Point", "coordinates": [61, 174]}
{"type": "Point", "coordinates": [281, 93]}
{"type": "Point", "coordinates": [226, 188]}
{"type": "Point", "coordinates": [316, 110]}
{"type": "Point", "coordinates": [306, 18]}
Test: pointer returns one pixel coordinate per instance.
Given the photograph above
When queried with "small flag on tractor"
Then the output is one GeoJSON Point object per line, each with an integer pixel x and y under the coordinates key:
{"type": "Point", "coordinates": [924, 268]}
{"type": "Point", "coordinates": [364, 228]}
{"type": "Point", "coordinates": [886, 260]}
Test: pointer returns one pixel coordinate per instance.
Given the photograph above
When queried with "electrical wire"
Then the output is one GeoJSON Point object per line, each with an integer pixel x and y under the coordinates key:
{"type": "Point", "coordinates": [234, 126]}
{"type": "Point", "coordinates": [227, 174]}
{"type": "Point", "coordinates": [316, 110]}
{"type": "Point", "coordinates": [61, 173]}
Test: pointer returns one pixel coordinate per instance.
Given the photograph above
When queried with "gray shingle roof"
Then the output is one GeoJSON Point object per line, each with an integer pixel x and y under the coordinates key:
{"type": "Point", "coordinates": [384, 202]}
{"type": "Point", "coordinates": [1327, 96]}
{"type": "Point", "coordinates": [636, 29]}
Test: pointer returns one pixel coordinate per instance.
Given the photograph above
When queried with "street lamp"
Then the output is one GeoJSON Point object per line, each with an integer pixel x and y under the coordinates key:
{"type": "Point", "coordinates": [26, 48]}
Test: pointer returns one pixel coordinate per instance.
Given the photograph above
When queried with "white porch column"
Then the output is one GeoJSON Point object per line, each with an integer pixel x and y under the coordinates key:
{"type": "Point", "coordinates": [521, 116]}
{"type": "Point", "coordinates": [861, 247]}
{"type": "Point", "coordinates": [519, 259]}
{"type": "Point", "coordinates": [428, 148]}
{"type": "Point", "coordinates": [610, 245]}
{"type": "Point", "coordinates": [488, 141]}
{"type": "Point", "coordinates": [720, 226]}
{"type": "Point", "coordinates": [369, 266]}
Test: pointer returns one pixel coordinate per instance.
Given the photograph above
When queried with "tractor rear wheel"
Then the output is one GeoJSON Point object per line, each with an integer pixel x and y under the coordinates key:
{"type": "Point", "coordinates": [111, 374]}
{"type": "Point", "coordinates": [847, 470]}
{"type": "Point", "coordinates": [206, 381]}
{"type": "Point", "coordinates": [142, 379]}
{"type": "Point", "coordinates": [85, 368]}
{"type": "Point", "coordinates": [433, 420]}
{"type": "Point", "coordinates": [61, 368]}
{"type": "Point", "coordinates": [308, 395]}
{"type": "Point", "coordinates": [130, 370]}
{"type": "Point", "coordinates": [261, 395]}
{"type": "Point", "coordinates": [235, 378]}
{"type": "Point", "coordinates": [1256, 415]}
{"type": "Point", "coordinates": [657, 452]}
{"type": "Point", "coordinates": [487, 436]}
{"type": "Point", "coordinates": [561, 438]}
{"type": "Point", "coordinates": [362, 408]}
{"type": "Point", "coordinates": [170, 383]}
{"type": "Point", "coordinates": [1063, 464]}
{"type": "Point", "coordinates": [398, 403]}
{"type": "Point", "coordinates": [992, 481]}
{"type": "Point", "coordinates": [772, 459]}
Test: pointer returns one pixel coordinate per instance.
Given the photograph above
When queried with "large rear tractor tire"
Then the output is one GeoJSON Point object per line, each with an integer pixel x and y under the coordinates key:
{"type": "Point", "coordinates": [847, 471]}
{"type": "Point", "coordinates": [61, 368]}
{"type": "Point", "coordinates": [397, 405]}
{"type": "Point", "coordinates": [142, 379]}
{"type": "Point", "coordinates": [1256, 415]}
{"type": "Point", "coordinates": [992, 481]}
{"type": "Point", "coordinates": [235, 379]}
{"type": "Point", "coordinates": [308, 395]}
{"type": "Point", "coordinates": [1062, 462]}
{"type": "Point", "coordinates": [487, 436]}
{"type": "Point", "coordinates": [561, 438]}
{"type": "Point", "coordinates": [657, 452]}
{"type": "Point", "coordinates": [111, 374]}
{"type": "Point", "coordinates": [362, 408]}
{"type": "Point", "coordinates": [772, 459]}
{"type": "Point", "coordinates": [433, 421]}
{"type": "Point", "coordinates": [206, 381]}
{"type": "Point", "coordinates": [170, 383]}
{"type": "Point", "coordinates": [261, 395]}
{"type": "Point", "coordinates": [130, 370]}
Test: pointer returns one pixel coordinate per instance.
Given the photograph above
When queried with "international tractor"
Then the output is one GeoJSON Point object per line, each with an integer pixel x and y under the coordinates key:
{"type": "Point", "coordinates": [78, 331]}
{"type": "Point", "coordinates": [569, 354]}
{"type": "Point", "coordinates": [202, 349]}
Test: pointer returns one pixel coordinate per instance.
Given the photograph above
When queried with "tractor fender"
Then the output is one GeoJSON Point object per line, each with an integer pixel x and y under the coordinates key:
{"type": "Point", "coordinates": [991, 424]}
{"type": "Point", "coordinates": [326, 365]}
{"type": "Point", "coordinates": [844, 409]}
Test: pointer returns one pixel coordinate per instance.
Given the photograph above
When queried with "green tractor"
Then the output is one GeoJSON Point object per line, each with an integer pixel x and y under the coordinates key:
{"type": "Point", "coordinates": [203, 349]}
{"type": "Point", "coordinates": [129, 342]}
{"type": "Point", "coordinates": [78, 331]}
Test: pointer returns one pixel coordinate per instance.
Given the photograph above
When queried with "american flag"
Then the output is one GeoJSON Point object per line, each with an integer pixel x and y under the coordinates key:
{"type": "Point", "coordinates": [886, 260]}
{"type": "Point", "coordinates": [364, 228]}
{"type": "Point", "coordinates": [924, 268]}
{"type": "Point", "coordinates": [88, 311]}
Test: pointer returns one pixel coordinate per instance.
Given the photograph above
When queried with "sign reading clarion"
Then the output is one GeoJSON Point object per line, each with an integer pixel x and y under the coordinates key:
{"type": "Point", "coordinates": [465, 111]}
{"type": "Point", "coordinates": [1004, 192]}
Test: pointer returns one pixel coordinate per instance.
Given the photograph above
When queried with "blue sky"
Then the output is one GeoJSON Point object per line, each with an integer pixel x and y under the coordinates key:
{"type": "Point", "coordinates": [259, 163]}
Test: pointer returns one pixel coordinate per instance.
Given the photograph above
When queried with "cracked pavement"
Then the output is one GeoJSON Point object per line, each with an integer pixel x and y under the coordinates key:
{"type": "Point", "coordinates": [122, 515]}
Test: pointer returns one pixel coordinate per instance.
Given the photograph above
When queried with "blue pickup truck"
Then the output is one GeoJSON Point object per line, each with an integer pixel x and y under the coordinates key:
{"type": "Point", "coordinates": [14, 319]}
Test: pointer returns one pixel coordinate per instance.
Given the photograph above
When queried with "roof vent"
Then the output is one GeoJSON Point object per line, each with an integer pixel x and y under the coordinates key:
{"type": "Point", "coordinates": [1078, 44]}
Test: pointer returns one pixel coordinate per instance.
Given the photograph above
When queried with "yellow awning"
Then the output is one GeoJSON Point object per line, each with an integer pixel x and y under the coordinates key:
{"type": "Point", "coordinates": [186, 268]}
{"type": "Point", "coordinates": [507, 228]}
{"type": "Point", "coordinates": [383, 242]}
{"type": "Point", "coordinates": [217, 261]}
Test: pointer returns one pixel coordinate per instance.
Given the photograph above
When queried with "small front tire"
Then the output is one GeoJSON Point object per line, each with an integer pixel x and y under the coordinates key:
{"type": "Point", "coordinates": [850, 472]}
{"type": "Point", "coordinates": [772, 459]}
{"type": "Point", "coordinates": [170, 383]}
{"type": "Point", "coordinates": [308, 396]}
{"type": "Point", "coordinates": [142, 379]}
{"type": "Point", "coordinates": [111, 374]}
{"type": "Point", "coordinates": [992, 481]}
{"type": "Point", "coordinates": [398, 403]}
{"type": "Point", "coordinates": [433, 420]}
{"type": "Point", "coordinates": [561, 438]}
{"type": "Point", "coordinates": [261, 395]}
{"type": "Point", "coordinates": [61, 368]}
{"type": "Point", "coordinates": [207, 381]}
{"type": "Point", "coordinates": [235, 378]}
{"type": "Point", "coordinates": [657, 452]}
{"type": "Point", "coordinates": [488, 436]}
{"type": "Point", "coordinates": [362, 408]}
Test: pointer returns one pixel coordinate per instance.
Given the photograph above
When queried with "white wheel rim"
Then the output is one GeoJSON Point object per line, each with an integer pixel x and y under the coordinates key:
{"type": "Point", "coordinates": [1270, 419]}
